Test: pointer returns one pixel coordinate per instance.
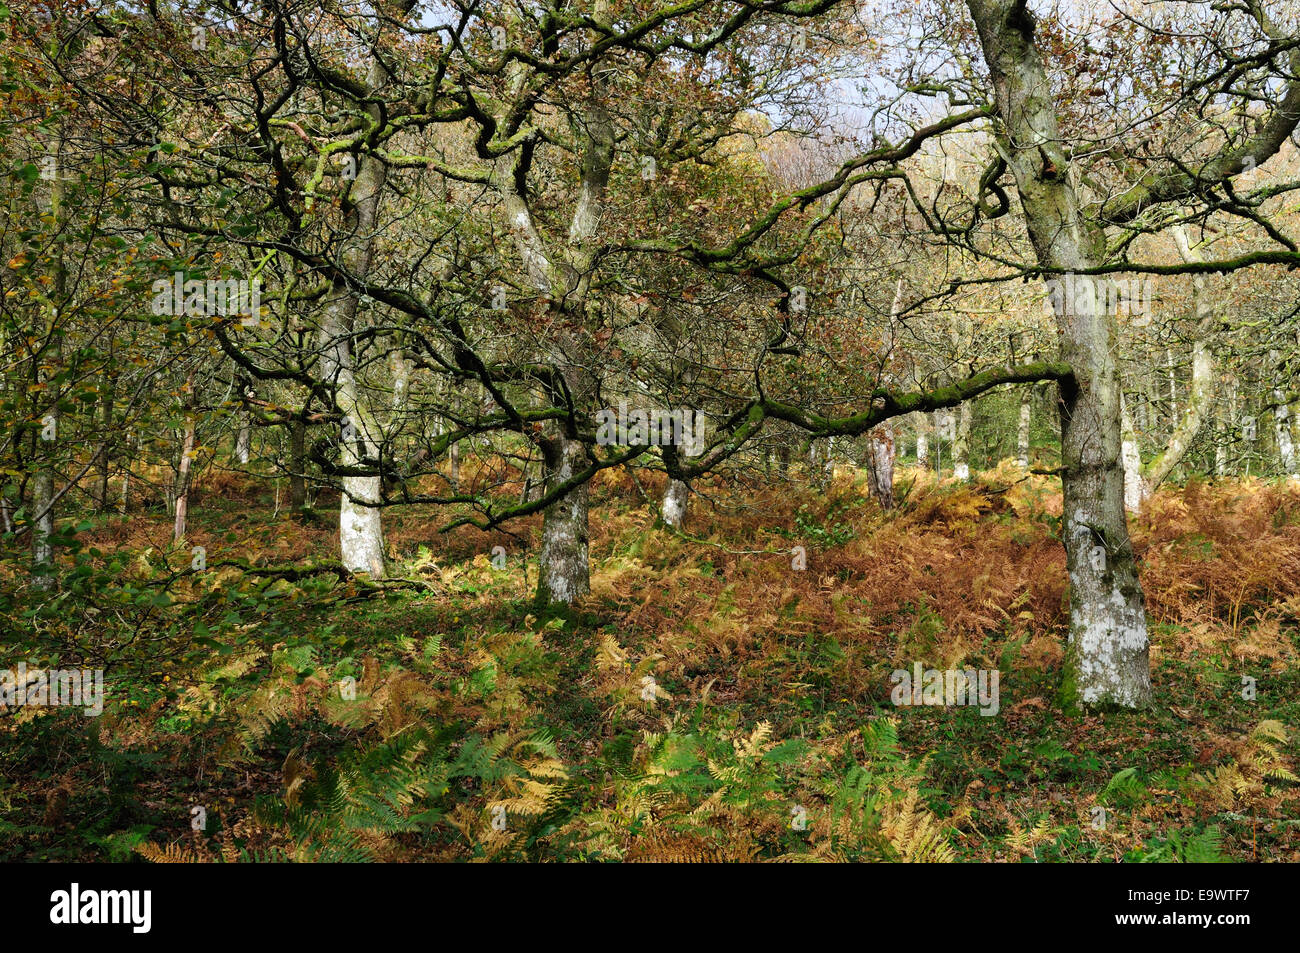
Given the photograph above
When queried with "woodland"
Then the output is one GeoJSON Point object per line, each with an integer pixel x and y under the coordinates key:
{"type": "Point", "coordinates": [649, 430]}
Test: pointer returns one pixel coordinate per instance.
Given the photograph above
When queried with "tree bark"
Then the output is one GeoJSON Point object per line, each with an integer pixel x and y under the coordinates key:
{"type": "Point", "coordinates": [126, 474]}
{"type": "Point", "coordinates": [244, 433]}
{"type": "Point", "coordinates": [673, 508]}
{"type": "Point", "coordinates": [1285, 440]}
{"type": "Point", "coordinates": [361, 536]}
{"type": "Point", "coordinates": [107, 399]}
{"type": "Point", "coordinates": [43, 531]}
{"type": "Point", "coordinates": [1023, 428]}
{"type": "Point", "coordinates": [564, 273]}
{"type": "Point", "coordinates": [1141, 481]}
{"type": "Point", "coordinates": [1107, 653]}
{"type": "Point", "coordinates": [880, 465]}
{"type": "Point", "coordinates": [298, 465]}
{"type": "Point", "coordinates": [564, 572]}
{"type": "Point", "coordinates": [43, 480]}
{"type": "Point", "coordinates": [1135, 488]}
{"type": "Point", "coordinates": [961, 442]}
{"type": "Point", "coordinates": [182, 491]}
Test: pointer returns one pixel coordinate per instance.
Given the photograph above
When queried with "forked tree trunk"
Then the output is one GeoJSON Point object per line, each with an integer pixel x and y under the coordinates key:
{"type": "Point", "coordinates": [361, 535]}
{"type": "Point", "coordinates": [564, 271]}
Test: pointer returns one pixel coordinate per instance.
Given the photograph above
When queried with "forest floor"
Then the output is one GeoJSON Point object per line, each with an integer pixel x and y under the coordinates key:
{"type": "Point", "coordinates": [709, 700]}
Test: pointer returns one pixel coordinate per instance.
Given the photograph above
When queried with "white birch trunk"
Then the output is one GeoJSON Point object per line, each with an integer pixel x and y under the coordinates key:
{"type": "Point", "coordinates": [42, 547]}
{"type": "Point", "coordinates": [183, 468]}
{"type": "Point", "coordinates": [43, 480]}
{"type": "Point", "coordinates": [672, 510]}
{"type": "Point", "coordinates": [961, 443]}
{"type": "Point", "coordinates": [243, 440]}
{"type": "Point", "coordinates": [1285, 441]}
{"type": "Point", "coordinates": [1135, 487]}
{"type": "Point", "coordinates": [1141, 482]}
{"type": "Point", "coordinates": [1022, 431]}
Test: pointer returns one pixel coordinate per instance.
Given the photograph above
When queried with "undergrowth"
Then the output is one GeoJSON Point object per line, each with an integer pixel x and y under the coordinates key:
{"type": "Point", "coordinates": [708, 701]}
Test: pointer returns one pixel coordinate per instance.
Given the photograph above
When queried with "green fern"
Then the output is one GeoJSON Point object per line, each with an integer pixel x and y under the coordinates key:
{"type": "Point", "coordinates": [1201, 847]}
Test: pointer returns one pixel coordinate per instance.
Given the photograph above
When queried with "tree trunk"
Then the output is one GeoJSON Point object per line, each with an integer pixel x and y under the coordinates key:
{"type": "Point", "coordinates": [43, 531]}
{"type": "Point", "coordinates": [1136, 489]}
{"type": "Point", "coordinates": [783, 458]}
{"type": "Point", "coordinates": [1140, 482]}
{"type": "Point", "coordinates": [182, 492]}
{"type": "Point", "coordinates": [564, 271]}
{"type": "Point", "coordinates": [106, 402]}
{"type": "Point", "coordinates": [961, 442]}
{"type": "Point", "coordinates": [673, 508]}
{"type": "Point", "coordinates": [244, 433]}
{"type": "Point", "coordinates": [564, 574]}
{"type": "Point", "coordinates": [1107, 654]}
{"type": "Point", "coordinates": [1285, 442]}
{"type": "Point", "coordinates": [243, 441]}
{"type": "Point", "coordinates": [945, 428]}
{"type": "Point", "coordinates": [819, 466]}
{"type": "Point", "coordinates": [1222, 437]}
{"type": "Point", "coordinates": [1023, 430]}
{"type": "Point", "coordinates": [923, 441]}
{"type": "Point", "coordinates": [880, 465]}
{"type": "Point", "coordinates": [361, 537]}
{"type": "Point", "coordinates": [43, 481]}
{"type": "Point", "coordinates": [1173, 389]}
{"type": "Point", "coordinates": [126, 474]}
{"type": "Point", "coordinates": [298, 465]}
